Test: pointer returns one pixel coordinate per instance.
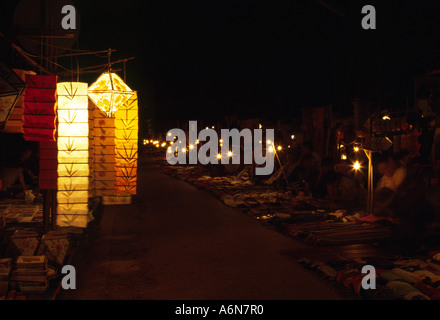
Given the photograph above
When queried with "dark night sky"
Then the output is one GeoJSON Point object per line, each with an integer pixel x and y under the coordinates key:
{"type": "Point", "coordinates": [206, 59]}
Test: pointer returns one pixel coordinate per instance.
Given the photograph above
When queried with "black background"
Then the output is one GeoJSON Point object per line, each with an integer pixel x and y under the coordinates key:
{"type": "Point", "coordinates": [203, 60]}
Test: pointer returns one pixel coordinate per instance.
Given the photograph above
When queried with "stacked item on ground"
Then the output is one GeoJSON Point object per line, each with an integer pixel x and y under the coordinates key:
{"type": "Point", "coordinates": [396, 278]}
{"type": "Point", "coordinates": [21, 213]}
{"type": "Point", "coordinates": [55, 245]}
{"type": "Point", "coordinates": [23, 242]}
{"type": "Point", "coordinates": [330, 232]}
{"type": "Point", "coordinates": [5, 270]}
{"type": "Point", "coordinates": [31, 274]}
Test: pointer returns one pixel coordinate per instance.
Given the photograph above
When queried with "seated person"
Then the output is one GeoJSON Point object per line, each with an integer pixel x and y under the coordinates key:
{"type": "Point", "coordinates": [327, 168]}
{"type": "Point", "coordinates": [341, 191]}
{"type": "Point", "coordinates": [400, 195]}
{"type": "Point", "coordinates": [306, 173]}
{"type": "Point", "coordinates": [393, 173]}
{"type": "Point", "coordinates": [9, 176]}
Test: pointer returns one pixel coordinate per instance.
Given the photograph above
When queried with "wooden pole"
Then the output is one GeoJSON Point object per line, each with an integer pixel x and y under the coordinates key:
{"type": "Point", "coordinates": [53, 210]}
{"type": "Point", "coordinates": [46, 211]}
{"type": "Point", "coordinates": [370, 182]}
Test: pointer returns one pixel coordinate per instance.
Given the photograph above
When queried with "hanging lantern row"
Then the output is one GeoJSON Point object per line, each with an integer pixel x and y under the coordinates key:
{"type": "Point", "coordinates": [83, 145]}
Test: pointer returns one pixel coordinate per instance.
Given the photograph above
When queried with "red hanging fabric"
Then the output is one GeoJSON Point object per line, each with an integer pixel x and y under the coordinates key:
{"type": "Point", "coordinates": [40, 108]}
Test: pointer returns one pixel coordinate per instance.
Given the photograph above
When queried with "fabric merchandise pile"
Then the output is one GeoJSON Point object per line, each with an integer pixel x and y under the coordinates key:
{"type": "Point", "coordinates": [405, 278]}
{"type": "Point", "coordinates": [24, 241]}
{"type": "Point", "coordinates": [302, 218]}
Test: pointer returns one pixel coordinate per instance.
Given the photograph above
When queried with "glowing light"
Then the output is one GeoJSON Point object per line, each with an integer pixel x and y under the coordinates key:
{"type": "Point", "coordinates": [197, 141]}
{"type": "Point", "coordinates": [356, 149]}
{"type": "Point", "coordinates": [386, 117]}
{"type": "Point", "coordinates": [230, 154]}
{"type": "Point", "coordinates": [73, 154]}
{"type": "Point", "coordinates": [279, 148]}
{"type": "Point", "coordinates": [191, 146]}
{"type": "Point", "coordinates": [260, 126]}
{"type": "Point", "coordinates": [356, 165]}
{"type": "Point", "coordinates": [271, 149]}
{"type": "Point", "coordinates": [219, 156]}
{"type": "Point", "coordinates": [344, 157]}
{"type": "Point", "coordinates": [341, 146]}
{"type": "Point", "coordinates": [109, 93]}
{"type": "Point", "coordinates": [163, 144]}
{"type": "Point", "coordinates": [145, 142]}
{"type": "Point", "coordinates": [126, 135]}
{"type": "Point", "coordinates": [184, 150]}
{"type": "Point", "coordinates": [292, 136]}
{"type": "Point", "coordinates": [171, 143]}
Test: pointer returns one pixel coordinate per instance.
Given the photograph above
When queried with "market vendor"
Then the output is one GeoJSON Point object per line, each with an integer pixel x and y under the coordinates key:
{"type": "Point", "coordinates": [9, 176]}
{"type": "Point", "coordinates": [342, 191]}
{"type": "Point", "coordinates": [393, 175]}
{"type": "Point", "coordinates": [399, 193]}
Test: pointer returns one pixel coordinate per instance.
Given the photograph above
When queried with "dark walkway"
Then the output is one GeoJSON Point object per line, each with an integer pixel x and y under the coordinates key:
{"type": "Point", "coordinates": [182, 243]}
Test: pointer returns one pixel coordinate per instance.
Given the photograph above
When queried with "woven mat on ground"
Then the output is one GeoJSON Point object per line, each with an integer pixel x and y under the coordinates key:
{"type": "Point", "coordinates": [339, 233]}
{"type": "Point", "coordinates": [397, 278]}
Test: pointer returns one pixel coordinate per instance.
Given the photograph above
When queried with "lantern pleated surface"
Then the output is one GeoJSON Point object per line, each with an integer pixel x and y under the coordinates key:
{"type": "Point", "coordinates": [103, 154]}
{"type": "Point", "coordinates": [126, 146]}
{"type": "Point", "coordinates": [73, 154]}
{"type": "Point", "coordinates": [40, 108]}
{"type": "Point", "coordinates": [109, 93]}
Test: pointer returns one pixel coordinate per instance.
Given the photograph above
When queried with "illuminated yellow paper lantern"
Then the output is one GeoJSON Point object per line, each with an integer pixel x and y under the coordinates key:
{"type": "Point", "coordinates": [126, 146]}
{"type": "Point", "coordinates": [109, 93]}
{"type": "Point", "coordinates": [73, 155]}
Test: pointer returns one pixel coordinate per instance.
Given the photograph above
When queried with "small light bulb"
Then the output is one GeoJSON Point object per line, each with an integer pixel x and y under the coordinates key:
{"type": "Point", "coordinates": [230, 154]}
{"type": "Point", "coordinates": [219, 156]}
{"type": "Point", "coordinates": [357, 165]}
